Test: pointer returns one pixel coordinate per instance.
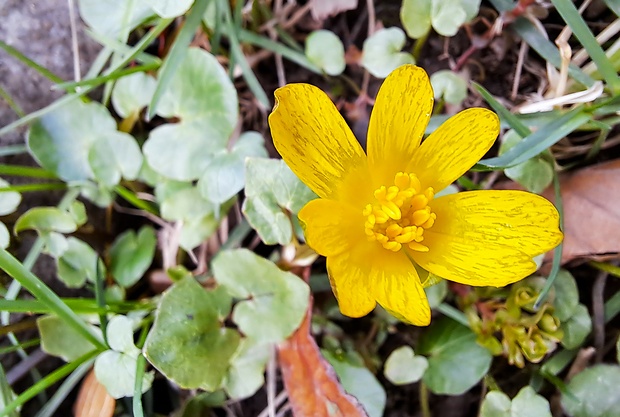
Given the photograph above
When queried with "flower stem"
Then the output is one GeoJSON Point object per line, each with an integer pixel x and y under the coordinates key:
{"type": "Point", "coordinates": [426, 410]}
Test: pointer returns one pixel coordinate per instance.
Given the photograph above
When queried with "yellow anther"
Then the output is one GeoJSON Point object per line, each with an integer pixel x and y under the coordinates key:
{"type": "Point", "coordinates": [400, 214]}
{"type": "Point", "coordinates": [391, 210]}
{"type": "Point", "coordinates": [380, 193]}
{"type": "Point", "coordinates": [421, 216]}
{"type": "Point", "coordinates": [418, 202]}
{"type": "Point", "coordinates": [401, 180]}
{"type": "Point", "coordinates": [392, 192]}
{"type": "Point", "coordinates": [417, 247]}
{"type": "Point", "coordinates": [380, 216]}
{"type": "Point", "coordinates": [393, 230]}
{"type": "Point", "coordinates": [414, 183]}
{"type": "Point", "coordinates": [393, 246]}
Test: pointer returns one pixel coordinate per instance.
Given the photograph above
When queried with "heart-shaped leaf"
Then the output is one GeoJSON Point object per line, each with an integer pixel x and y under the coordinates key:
{"type": "Point", "coordinates": [382, 52]}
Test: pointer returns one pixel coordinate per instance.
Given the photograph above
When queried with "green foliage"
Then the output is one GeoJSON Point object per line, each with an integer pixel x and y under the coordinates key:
{"type": "Point", "coordinates": [60, 339]}
{"type": "Point", "coordinates": [446, 17]}
{"type": "Point", "coordinates": [593, 392]}
{"type": "Point", "coordinates": [116, 368]}
{"type": "Point", "coordinates": [187, 342]}
{"type": "Point", "coordinates": [358, 381]}
{"type": "Point", "coordinates": [325, 50]}
{"type": "Point", "coordinates": [450, 86]}
{"type": "Point", "coordinates": [382, 52]}
{"type": "Point", "coordinates": [274, 195]}
{"type": "Point", "coordinates": [526, 403]}
{"type": "Point", "coordinates": [273, 303]}
{"type": "Point", "coordinates": [535, 174]}
{"type": "Point", "coordinates": [403, 366]}
{"type": "Point", "coordinates": [203, 98]}
{"type": "Point", "coordinates": [78, 263]}
{"type": "Point", "coordinates": [131, 254]}
{"type": "Point", "coordinates": [455, 361]}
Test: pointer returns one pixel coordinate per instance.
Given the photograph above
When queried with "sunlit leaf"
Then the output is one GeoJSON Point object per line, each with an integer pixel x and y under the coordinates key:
{"type": "Point", "coordinates": [113, 17]}
{"type": "Point", "coordinates": [416, 17]}
{"type": "Point", "coordinates": [8, 200]}
{"type": "Point", "coordinates": [325, 50]}
{"type": "Point", "coordinates": [247, 367]}
{"type": "Point", "coordinates": [202, 96]}
{"type": "Point", "coordinates": [403, 366]}
{"type": "Point", "coordinates": [78, 263]}
{"type": "Point", "coordinates": [382, 52]}
{"type": "Point", "coordinates": [273, 194]}
{"type": "Point", "coordinates": [450, 86]}
{"type": "Point", "coordinates": [273, 301]}
{"type": "Point", "coordinates": [132, 93]}
{"type": "Point", "coordinates": [187, 342]}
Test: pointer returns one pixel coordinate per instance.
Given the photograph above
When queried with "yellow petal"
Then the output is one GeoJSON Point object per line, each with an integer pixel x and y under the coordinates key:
{"type": "Point", "coordinates": [521, 220]}
{"type": "Point", "coordinates": [402, 109]}
{"type": "Point", "coordinates": [331, 227]}
{"type": "Point", "coordinates": [454, 147]}
{"type": "Point", "coordinates": [318, 146]}
{"type": "Point", "coordinates": [367, 273]}
{"type": "Point", "coordinates": [488, 237]}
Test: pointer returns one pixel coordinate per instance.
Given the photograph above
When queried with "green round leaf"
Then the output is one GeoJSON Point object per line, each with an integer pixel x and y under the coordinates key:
{"type": "Point", "coordinates": [496, 404]}
{"type": "Point", "coordinates": [594, 392]}
{"type": "Point", "coordinates": [131, 254]}
{"type": "Point", "coordinates": [79, 141]}
{"type": "Point", "coordinates": [450, 86]}
{"type": "Point", "coordinates": [224, 177]}
{"type": "Point", "coordinates": [358, 381]}
{"type": "Point", "coordinates": [272, 191]}
{"type": "Point", "coordinates": [46, 219]}
{"type": "Point", "coordinates": [111, 18]}
{"type": "Point", "coordinates": [471, 7]}
{"type": "Point", "coordinates": [120, 336]}
{"type": "Point", "coordinates": [456, 362]}
{"type": "Point", "coordinates": [245, 375]}
{"type": "Point", "coordinates": [9, 200]}
{"type": "Point", "coordinates": [576, 328]}
{"type": "Point", "coordinates": [415, 16]}
{"type": "Point", "coordinates": [274, 302]}
{"type": "Point", "coordinates": [529, 403]}
{"type": "Point", "coordinates": [60, 339]}
{"type": "Point", "coordinates": [5, 236]}
{"type": "Point", "coordinates": [116, 371]}
{"type": "Point", "coordinates": [132, 93]}
{"type": "Point", "coordinates": [202, 96]}
{"type": "Point", "coordinates": [535, 174]}
{"type": "Point", "coordinates": [382, 52]}
{"type": "Point", "coordinates": [566, 295]}
{"type": "Point", "coordinates": [187, 342]}
{"type": "Point", "coordinates": [325, 50]}
{"type": "Point", "coordinates": [436, 293]}
{"type": "Point", "coordinates": [169, 8]}
{"type": "Point", "coordinates": [78, 263]}
{"type": "Point", "coordinates": [447, 16]}
{"type": "Point", "coordinates": [404, 367]}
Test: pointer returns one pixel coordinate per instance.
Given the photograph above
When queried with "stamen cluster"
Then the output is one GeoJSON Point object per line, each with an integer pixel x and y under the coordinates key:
{"type": "Point", "coordinates": [400, 214]}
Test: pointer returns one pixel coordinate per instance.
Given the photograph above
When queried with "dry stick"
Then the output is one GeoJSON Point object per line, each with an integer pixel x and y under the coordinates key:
{"type": "Point", "coordinates": [74, 42]}
{"type": "Point", "coordinates": [271, 383]}
{"type": "Point", "coordinates": [598, 314]}
{"type": "Point", "coordinates": [277, 8]}
{"type": "Point", "coordinates": [280, 398]}
{"type": "Point", "coordinates": [515, 84]}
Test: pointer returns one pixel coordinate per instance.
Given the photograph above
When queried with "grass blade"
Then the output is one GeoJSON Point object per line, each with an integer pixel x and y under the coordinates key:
{"type": "Point", "coordinates": [573, 19]}
{"type": "Point", "coordinates": [24, 171]}
{"type": "Point", "coordinates": [43, 293]}
{"type": "Point", "coordinates": [510, 118]}
{"type": "Point", "coordinates": [30, 63]}
{"type": "Point", "coordinates": [46, 382]}
{"type": "Point", "coordinates": [540, 140]}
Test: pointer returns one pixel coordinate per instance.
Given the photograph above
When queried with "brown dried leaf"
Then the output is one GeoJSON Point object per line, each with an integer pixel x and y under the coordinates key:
{"type": "Point", "coordinates": [591, 199]}
{"type": "Point", "coordinates": [311, 383]}
{"type": "Point", "coordinates": [93, 400]}
{"type": "Point", "coordinates": [321, 9]}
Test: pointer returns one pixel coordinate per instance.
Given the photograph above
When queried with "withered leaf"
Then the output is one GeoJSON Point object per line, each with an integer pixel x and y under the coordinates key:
{"type": "Point", "coordinates": [93, 400]}
{"type": "Point", "coordinates": [311, 383]}
{"type": "Point", "coordinates": [322, 9]}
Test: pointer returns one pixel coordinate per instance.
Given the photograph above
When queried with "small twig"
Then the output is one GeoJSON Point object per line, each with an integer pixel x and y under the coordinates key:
{"type": "Point", "coordinates": [521, 58]}
{"type": "Point", "coordinates": [280, 398]}
{"type": "Point", "coordinates": [426, 410]}
{"type": "Point", "coordinates": [74, 42]}
{"type": "Point", "coordinates": [598, 314]}
{"type": "Point", "coordinates": [581, 362]}
{"type": "Point", "coordinates": [271, 383]}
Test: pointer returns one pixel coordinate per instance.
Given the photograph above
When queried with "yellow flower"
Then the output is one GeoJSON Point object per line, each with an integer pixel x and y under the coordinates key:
{"type": "Point", "coordinates": [378, 221]}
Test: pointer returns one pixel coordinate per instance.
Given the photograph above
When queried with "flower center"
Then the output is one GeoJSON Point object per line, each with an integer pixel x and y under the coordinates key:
{"type": "Point", "coordinates": [400, 214]}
